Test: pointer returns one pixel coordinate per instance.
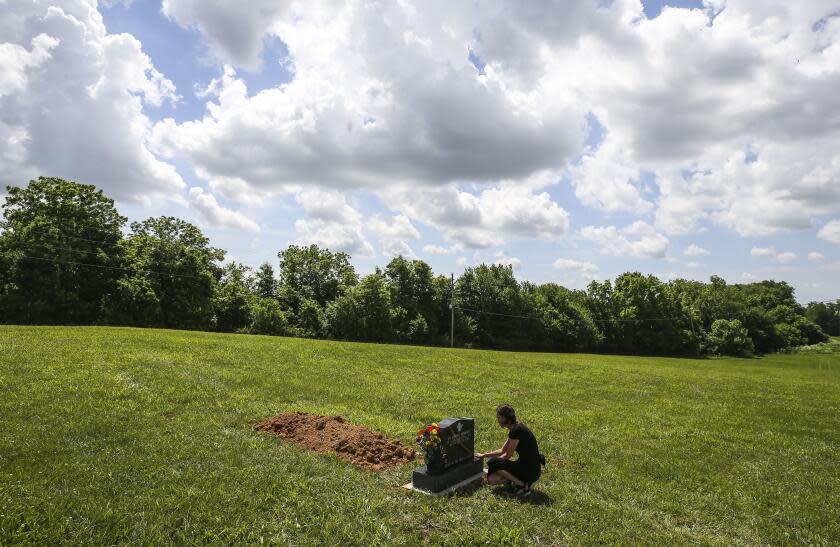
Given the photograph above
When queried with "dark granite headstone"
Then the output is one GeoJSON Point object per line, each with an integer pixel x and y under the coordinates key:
{"type": "Point", "coordinates": [457, 463]}
{"type": "Point", "coordinates": [457, 439]}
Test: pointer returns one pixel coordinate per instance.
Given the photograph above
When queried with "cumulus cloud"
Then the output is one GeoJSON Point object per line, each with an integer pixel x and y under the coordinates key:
{"type": "Point", "coordinates": [218, 216]}
{"type": "Point", "coordinates": [437, 250]}
{"type": "Point", "coordinates": [609, 180]}
{"type": "Point", "coordinates": [706, 118]}
{"type": "Point", "coordinates": [382, 95]}
{"type": "Point", "coordinates": [395, 227]}
{"type": "Point", "coordinates": [588, 269]}
{"type": "Point", "coordinates": [511, 261]}
{"type": "Point", "coordinates": [331, 222]}
{"type": "Point", "coordinates": [481, 220]}
{"type": "Point", "coordinates": [639, 239]}
{"type": "Point", "coordinates": [234, 32]}
{"type": "Point", "coordinates": [393, 232]}
{"type": "Point", "coordinates": [763, 251]}
{"type": "Point", "coordinates": [815, 257]}
{"type": "Point", "coordinates": [72, 101]}
{"type": "Point", "coordinates": [830, 232]}
{"type": "Point", "coordinates": [695, 250]}
{"type": "Point", "coordinates": [786, 257]}
{"type": "Point", "coordinates": [770, 252]}
{"type": "Point", "coordinates": [749, 100]}
{"type": "Point", "coordinates": [397, 247]}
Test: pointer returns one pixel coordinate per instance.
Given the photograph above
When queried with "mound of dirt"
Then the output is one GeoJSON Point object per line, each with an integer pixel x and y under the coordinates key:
{"type": "Point", "coordinates": [355, 443]}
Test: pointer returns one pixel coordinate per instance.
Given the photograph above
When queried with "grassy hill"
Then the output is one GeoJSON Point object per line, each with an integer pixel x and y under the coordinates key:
{"type": "Point", "coordinates": [113, 435]}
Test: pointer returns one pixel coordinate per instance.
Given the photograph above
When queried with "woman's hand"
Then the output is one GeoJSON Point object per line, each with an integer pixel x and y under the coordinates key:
{"type": "Point", "coordinates": [479, 456]}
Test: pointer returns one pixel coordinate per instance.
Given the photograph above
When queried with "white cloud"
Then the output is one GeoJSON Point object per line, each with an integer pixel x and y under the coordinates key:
{"type": "Point", "coordinates": [328, 206]}
{"type": "Point", "coordinates": [17, 61]}
{"type": "Point", "coordinates": [694, 265]}
{"type": "Point", "coordinates": [333, 236]}
{"type": "Point", "coordinates": [763, 251]}
{"type": "Point", "coordinates": [489, 218]}
{"type": "Point", "coordinates": [815, 257]}
{"type": "Point", "coordinates": [437, 250]}
{"type": "Point", "coordinates": [234, 32]}
{"type": "Point", "coordinates": [397, 247]}
{"type": "Point", "coordinates": [365, 106]}
{"type": "Point", "coordinates": [511, 261]}
{"type": "Point", "coordinates": [393, 232]}
{"type": "Point", "coordinates": [786, 257]}
{"type": "Point", "coordinates": [639, 239]}
{"type": "Point", "coordinates": [370, 83]}
{"type": "Point", "coordinates": [72, 101]}
{"type": "Point", "coordinates": [830, 232]}
{"type": "Point", "coordinates": [747, 277]}
{"type": "Point", "coordinates": [395, 227]}
{"type": "Point", "coordinates": [770, 252]}
{"type": "Point", "coordinates": [695, 250]}
{"type": "Point", "coordinates": [217, 215]}
{"type": "Point", "coordinates": [583, 267]}
{"type": "Point", "coordinates": [608, 179]}
{"type": "Point", "coordinates": [331, 223]}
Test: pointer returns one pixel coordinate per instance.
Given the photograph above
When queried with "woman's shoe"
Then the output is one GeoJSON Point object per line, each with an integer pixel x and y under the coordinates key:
{"type": "Point", "coordinates": [524, 490]}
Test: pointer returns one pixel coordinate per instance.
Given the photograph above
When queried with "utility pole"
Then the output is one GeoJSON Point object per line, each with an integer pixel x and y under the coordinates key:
{"type": "Point", "coordinates": [452, 312]}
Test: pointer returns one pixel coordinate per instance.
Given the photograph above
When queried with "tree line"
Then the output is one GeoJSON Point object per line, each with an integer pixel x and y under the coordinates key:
{"type": "Point", "coordinates": [65, 259]}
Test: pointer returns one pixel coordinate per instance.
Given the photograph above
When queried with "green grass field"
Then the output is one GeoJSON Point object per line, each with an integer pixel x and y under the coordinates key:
{"type": "Point", "coordinates": [113, 435]}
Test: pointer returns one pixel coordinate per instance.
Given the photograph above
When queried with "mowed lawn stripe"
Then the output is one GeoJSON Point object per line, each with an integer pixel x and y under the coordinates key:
{"type": "Point", "coordinates": [118, 435]}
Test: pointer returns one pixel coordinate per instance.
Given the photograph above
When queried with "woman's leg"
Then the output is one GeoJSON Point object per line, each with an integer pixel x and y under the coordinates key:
{"type": "Point", "coordinates": [496, 478]}
{"type": "Point", "coordinates": [507, 476]}
{"type": "Point", "coordinates": [499, 472]}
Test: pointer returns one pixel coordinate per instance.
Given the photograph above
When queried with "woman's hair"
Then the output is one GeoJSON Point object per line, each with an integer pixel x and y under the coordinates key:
{"type": "Point", "coordinates": [507, 412]}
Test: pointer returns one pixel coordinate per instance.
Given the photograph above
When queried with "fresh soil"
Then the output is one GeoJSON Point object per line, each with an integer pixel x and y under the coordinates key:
{"type": "Point", "coordinates": [355, 443]}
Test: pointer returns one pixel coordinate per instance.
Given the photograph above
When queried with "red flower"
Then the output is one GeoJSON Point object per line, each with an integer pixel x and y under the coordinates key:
{"type": "Point", "coordinates": [430, 428]}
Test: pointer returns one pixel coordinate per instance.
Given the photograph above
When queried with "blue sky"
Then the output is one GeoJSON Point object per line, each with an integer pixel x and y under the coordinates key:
{"type": "Point", "coordinates": [574, 142]}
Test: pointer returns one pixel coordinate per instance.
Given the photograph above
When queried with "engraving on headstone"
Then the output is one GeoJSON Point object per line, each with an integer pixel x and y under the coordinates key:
{"type": "Point", "coordinates": [457, 439]}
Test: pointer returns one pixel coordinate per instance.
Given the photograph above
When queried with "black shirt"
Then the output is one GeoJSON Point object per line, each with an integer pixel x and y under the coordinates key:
{"type": "Point", "coordinates": [529, 453]}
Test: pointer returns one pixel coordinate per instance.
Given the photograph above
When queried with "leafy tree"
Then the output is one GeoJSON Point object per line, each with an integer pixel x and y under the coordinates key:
{"type": "Point", "coordinates": [59, 250]}
{"type": "Point", "coordinates": [172, 276]}
{"type": "Point", "coordinates": [492, 297]}
{"type": "Point", "coordinates": [412, 286]}
{"type": "Point", "coordinates": [310, 320]}
{"type": "Point", "coordinates": [266, 284]}
{"type": "Point", "coordinates": [418, 330]}
{"type": "Point", "coordinates": [314, 274]}
{"type": "Point", "coordinates": [233, 298]}
{"type": "Point", "coordinates": [268, 318]}
{"type": "Point", "coordinates": [644, 316]}
{"type": "Point", "coordinates": [566, 324]}
{"type": "Point", "coordinates": [826, 315]}
{"type": "Point", "coordinates": [363, 313]}
{"type": "Point", "coordinates": [729, 337]}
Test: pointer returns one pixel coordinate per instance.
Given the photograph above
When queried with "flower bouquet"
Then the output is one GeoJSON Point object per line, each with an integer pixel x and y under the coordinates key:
{"type": "Point", "coordinates": [428, 439]}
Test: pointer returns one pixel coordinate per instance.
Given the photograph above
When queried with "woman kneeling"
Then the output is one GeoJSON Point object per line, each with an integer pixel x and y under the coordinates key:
{"type": "Point", "coordinates": [522, 472]}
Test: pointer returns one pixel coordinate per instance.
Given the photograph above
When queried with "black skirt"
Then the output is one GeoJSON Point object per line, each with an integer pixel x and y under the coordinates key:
{"type": "Point", "coordinates": [525, 473]}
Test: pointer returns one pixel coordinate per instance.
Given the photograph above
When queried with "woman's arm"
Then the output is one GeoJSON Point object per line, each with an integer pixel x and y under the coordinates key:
{"type": "Point", "coordinates": [504, 452]}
